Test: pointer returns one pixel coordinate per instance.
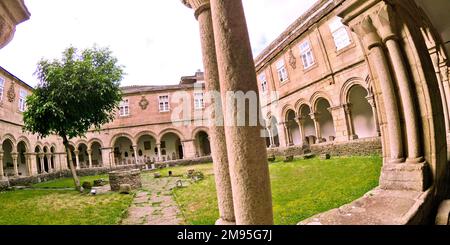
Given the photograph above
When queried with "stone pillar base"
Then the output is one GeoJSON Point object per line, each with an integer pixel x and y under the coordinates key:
{"type": "Point", "coordinates": [405, 176]}
{"type": "Point", "coordinates": [225, 222]}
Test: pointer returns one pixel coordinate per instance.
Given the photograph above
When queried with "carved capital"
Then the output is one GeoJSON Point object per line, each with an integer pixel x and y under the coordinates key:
{"type": "Point", "coordinates": [384, 20]}
{"type": "Point", "coordinates": [367, 32]}
{"type": "Point", "coordinates": [197, 5]}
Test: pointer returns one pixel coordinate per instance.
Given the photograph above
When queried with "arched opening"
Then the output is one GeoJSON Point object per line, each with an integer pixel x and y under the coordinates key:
{"type": "Point", "coordinates": [171, 148]}
{"type": "Point", "coordinates": [96, 152]}
{"type": "Point", "coordinates": [309, 129]}
{"type": "Point", "coordinates": [274, 132]}
{"type": "Point", "coordinates": [202, 143]}
{"type": "Point", "coordinates": [293, 129]}
{"type": "Point", "coordinates": [46, 159]}
{"type": "Point", "coordinates": [123, 151]}
{"type": "Point", "coordinates": [325, 120]}
{"type": "Point", "coordinates": [83, 156]}
{"type": "Point", "coordinates": [37, 151]}
{"type": "Point", "coordinates": [22, 160]}
{"type": "Point", "coordinates": [146, 144]}
{"type": "Point", "coordinates": [361, 112]}
{"type": "Point", "coordinates": [52, 158]}
{"type": "Point", "coordinates": [8, 167]}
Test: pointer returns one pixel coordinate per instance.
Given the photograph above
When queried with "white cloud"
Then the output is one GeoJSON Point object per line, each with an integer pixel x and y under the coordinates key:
{"type": "Point", "coordinates": [157, 41]}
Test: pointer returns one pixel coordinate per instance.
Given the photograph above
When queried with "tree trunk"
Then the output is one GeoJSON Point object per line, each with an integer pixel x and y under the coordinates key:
{"type": "Point", "coordinates": [76, 180]}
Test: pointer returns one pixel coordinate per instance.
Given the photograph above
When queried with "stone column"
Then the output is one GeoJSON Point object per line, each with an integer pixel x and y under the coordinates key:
{"type": "Point", "coordinates": [271, 140]}
{"type": "Point", "coordinates": [385, 22]}
{"type": "Point", "coordinates": [158, 146]}
{"type": "Point", "coordinates": [288, 133]}
{"type": "Point", "coordinates": [348, 119]}
{"type": "Point", "coordinates": [371, 100]}
{"type": "Point", "coordinates": [135, 147]}
{"type": "Point", "coordinates": [49, 162]}
{"type": "Point", "coordinates": [366, 30]}
{"type": "Point", "coordinates": [14, 156]}
{"type": "Point", "coordinates": [314, 117]}
{"type": "Point", "coordinates": [282, 134]}
{"type": "Point", "coordinates": [89, 151]}
{"type": "Point", "coordinates": [300, 122]}
{"type": "Point", "coordinates": [247, 153]}
{"type": "Point", "coordinates": [2, 173]}
{"type": "Point", "coordinates": [33, 164]}
{"type": "Point", "coordinates": [41, 162]}
{"type": "Point", "coordinates": [217, 133]}
{"type": "Point", "coordinates": [77, 159]}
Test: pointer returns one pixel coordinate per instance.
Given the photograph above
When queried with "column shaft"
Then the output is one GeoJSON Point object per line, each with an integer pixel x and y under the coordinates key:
{"type": "Point", "coordinates": [247, 153]}
{"type": "Point", "coordinates": [218, 140]}
{"type": "Point", "coordinates": [2, 174]}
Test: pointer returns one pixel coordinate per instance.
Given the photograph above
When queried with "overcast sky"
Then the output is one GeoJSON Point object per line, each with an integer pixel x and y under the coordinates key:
{"type": "Point", "coordinates": [156, 40]}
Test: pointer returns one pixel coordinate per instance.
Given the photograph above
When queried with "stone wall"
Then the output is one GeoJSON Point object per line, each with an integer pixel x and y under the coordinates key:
{"type": "Point", "coordinates": [359, 147]}
{"type": "Point", "coordinates": [130, 177]}
{"type": "Point", "coordinates": [28, 181]}
{"type": "Point", "coordinates": [184, 162]}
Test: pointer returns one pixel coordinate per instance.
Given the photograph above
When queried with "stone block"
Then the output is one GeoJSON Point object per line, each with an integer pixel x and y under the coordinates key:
{"type": "Point", "coordinates": [289, 158]}
{"type": "Point", "coordinates": [443, 214]}
{"type": "Point", "coordinates": [131, 177]}
{"type": "Point", "coordinates": [308, 156]}
{"type": "Point", "coordinates": [271, 158]}
{"type": "Point", "coordinates": [125, 189]}
{"type": "Point", "coordinates": [325, 156]}
{"type": "Point", "coordinates": [157, 175]}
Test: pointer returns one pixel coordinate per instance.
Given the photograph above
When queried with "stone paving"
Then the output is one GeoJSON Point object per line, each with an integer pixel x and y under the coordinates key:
{"type": "Point", "coordinates": [153, 204]}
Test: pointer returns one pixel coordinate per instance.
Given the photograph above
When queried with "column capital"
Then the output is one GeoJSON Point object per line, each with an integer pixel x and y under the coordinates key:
{"type": "Point", "coordinates": [197, 5]}
{"type": "Point", "coordinates": [314, 116]}
{"type": "Point", "coordinates": [347, 108]}
{"type": "Point", "coordinates": [89, 151]}
{"type": "Point", "coordinates": [384, 20]}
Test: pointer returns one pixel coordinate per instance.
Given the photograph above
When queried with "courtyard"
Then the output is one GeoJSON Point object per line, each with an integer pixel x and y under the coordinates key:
{"type": "Point", "coordinates": [300, 189]}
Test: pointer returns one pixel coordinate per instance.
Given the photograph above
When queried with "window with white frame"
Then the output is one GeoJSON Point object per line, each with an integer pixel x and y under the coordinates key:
{"type": "Point", "coordinates": [306, 54]}
{"type": "Point", "coordinates": [124, 108]}
{"type": "Point", "coordinates": [281, 70]}
{"type": "Point", "coordinates": [263, 81]}
{"type": "Point", "coordinates": [22, 100]}
{"type": "Point", "coordinates": [340, 34]}
{"type": "Point", "coordinates": [164, 103]}
{"type": "Point", "coordinates": [2, 85]}
{"type": "Point", "coordinates": [198, 101]}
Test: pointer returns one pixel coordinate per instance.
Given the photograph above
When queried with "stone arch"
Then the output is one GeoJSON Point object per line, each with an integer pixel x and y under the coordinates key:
{"type": "Point", "coordinates": [116, 136]}
{"type": "Point", "coordinates": [294, 136]}
{"type": "Point", "coordinates": [202, 142]}
{"type": "Point", "coordinates": [143, 133]}
{"type": "Point", "coordinates": [172, 145]}
{"type": "Point", "coordinates": [348, 85]}
{"type": "Point", "coordinates": [11, 138]}
{"type": "Point", "coordinates": [299, 104]}
{"type": "Point", "coordinates": [307, 124]}
{"type": "Point", "coordinates": [170, 130]}
{"type": "Point", "coordinates": [95, 140]}
{"type": "Point", "coordinates": [26, 142]}
{"type": "Point", "coordinates": [324, 119]}
{"type": "Point", "coordinates": [197, 130]}
{"type": "Point", "coordinates": [284, 111]}
{"type": "Point", "coordinates": [317, 96]}
{"type": "Point", "coordinates": [80, 142]}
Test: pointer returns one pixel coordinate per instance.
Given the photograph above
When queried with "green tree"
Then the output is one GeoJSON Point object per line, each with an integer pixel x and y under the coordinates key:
{"type": "Point", "coordinates": [77, 93]}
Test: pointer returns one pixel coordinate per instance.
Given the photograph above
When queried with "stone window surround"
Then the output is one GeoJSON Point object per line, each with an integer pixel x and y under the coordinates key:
{"type": "Point", "coordinates": [282, 72]}
{"type": "Point", "coordinates": [2, 88]}
{"type": "Point", "coordinates": [305, 53]}
{"type": "Point", "coordinates": [163, 103]}
{"type": "Point", "coordinates": [199, 102]}
{"type": "Point", "coordinates": [124, 108]}
{"type": "Point", "coordinates": [22, 99]}
{"type": "Point", "coordinates": [339, 31]}
{"type": "Point", "coordinates": [263, 81]}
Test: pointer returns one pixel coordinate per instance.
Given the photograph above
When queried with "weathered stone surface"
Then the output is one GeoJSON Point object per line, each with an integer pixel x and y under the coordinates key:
{"type": "Point", "coordinates": [272, 158]}
{"type": "Point", "coordinates": [325, 156]}
{"type": "Point", "coordinates": [378, 207]}
{"type": "Point", "coordinates": [308, 156]}
{"type": "Point", "coordinates": [157, 175]}
{"type": "Point", "coordinates": [288, 158]}
{"type": "Point", "coordinates": [443, 214]}
{"type": "Point", "coordinates": [131, 177]}
{"type": "Point", "coordinates": [125, 189]}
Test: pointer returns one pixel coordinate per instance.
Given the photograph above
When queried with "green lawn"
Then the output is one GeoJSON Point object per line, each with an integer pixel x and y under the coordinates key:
{"type": "Point", "coordinates": [68, 182]}
{"type": "Point", "coordinates": [52, 207]}
{"type": "Point", "coordinates": [300, 189]}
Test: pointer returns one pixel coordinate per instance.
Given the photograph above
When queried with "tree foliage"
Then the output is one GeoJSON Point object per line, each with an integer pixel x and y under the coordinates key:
{"type": "Point", "coordinates": [76, 93]}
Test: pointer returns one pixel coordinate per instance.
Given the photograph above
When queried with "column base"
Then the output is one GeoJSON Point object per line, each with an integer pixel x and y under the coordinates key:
{"type": "Point", "coordinates": [225, 222]}
{"type": "Point", "coordinates": [353, 137]}
{"type": "Point", "coordinates": [405, 176]}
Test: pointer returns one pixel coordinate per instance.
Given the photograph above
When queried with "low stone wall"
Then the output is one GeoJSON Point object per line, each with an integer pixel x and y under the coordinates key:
{"type": "Point", "coordinates": [359, 147]}
{"type": "Point", "coordinates": [30, 180]}
{"type": "Point", "coordinates": [130, 177]}
{"type": "Point", "coordinates": [184, 162]}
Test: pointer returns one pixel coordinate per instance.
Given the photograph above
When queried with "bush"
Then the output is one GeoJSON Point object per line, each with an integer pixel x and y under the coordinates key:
{"type": "Point", "coordinates": [87, 185]}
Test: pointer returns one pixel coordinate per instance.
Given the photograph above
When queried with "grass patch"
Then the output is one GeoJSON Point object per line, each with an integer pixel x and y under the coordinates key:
{"type": "Point", "coordinates": [50, 207]}
{"type": "Point", "coordinates": [68, 182]}
{"type": "Point", "coordinates": [300, 189]}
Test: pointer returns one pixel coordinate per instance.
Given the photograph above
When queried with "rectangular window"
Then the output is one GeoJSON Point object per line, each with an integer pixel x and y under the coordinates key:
{"type": "Point", "coordinates": [22, 100]}
{"type": "Point", "coordinates": [282, 72]}
{"type": "Point", "coordinates": [198, 101]}
{"type": "Point", "coordinates": [164, 103]}
{"type": "Point", "coordinates": [340, 34]}
{"type": "Point", "coordinates": [306, 54]}
{"type": "Point", "coordinates": [2, 85]}
{"type": "Point", "coordinates": [124, 108]}
{"type": "Point", "coordinates": [263, 81]}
